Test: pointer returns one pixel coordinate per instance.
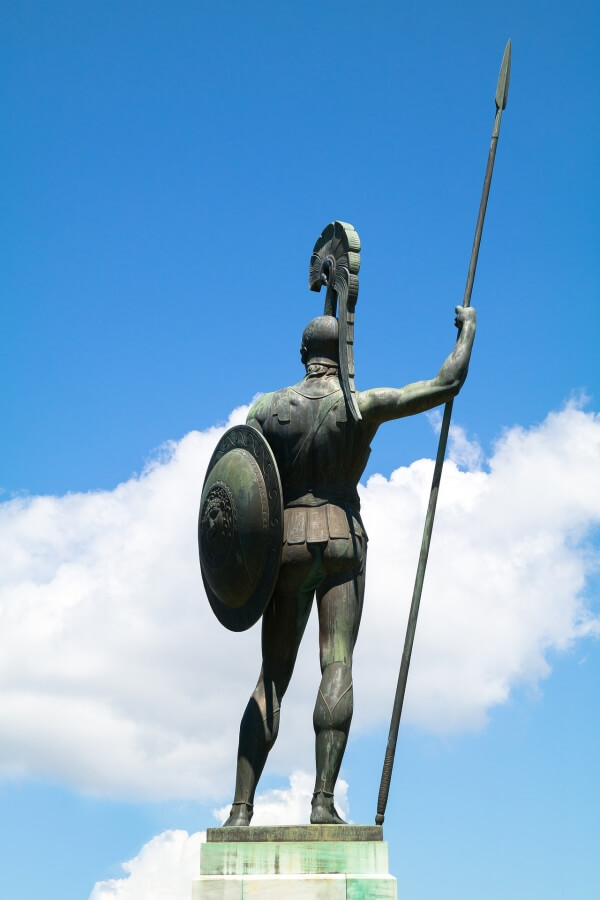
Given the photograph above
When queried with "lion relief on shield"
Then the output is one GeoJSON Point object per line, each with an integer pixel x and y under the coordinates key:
{"type": "Point", "coordinates": [217, 522]}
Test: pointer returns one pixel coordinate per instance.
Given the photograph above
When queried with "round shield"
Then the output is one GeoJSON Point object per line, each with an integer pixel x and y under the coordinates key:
{"type": "Point", "coordinates": [240, 527]}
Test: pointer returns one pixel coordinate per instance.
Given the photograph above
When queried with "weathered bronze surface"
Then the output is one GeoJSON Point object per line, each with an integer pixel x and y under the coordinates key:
{"type": "Point", "coordinates": [335, 263]}
{"type": "Point", "coordinates": [240, 527]}
{"type": "Point", "coordinates": [260, 833]}
{"type": "Point", "coordinates": [319, 431]}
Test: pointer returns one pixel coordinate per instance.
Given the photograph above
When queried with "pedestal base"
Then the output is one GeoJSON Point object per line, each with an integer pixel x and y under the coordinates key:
{"type": "Point", "coordinates": [312, 862]}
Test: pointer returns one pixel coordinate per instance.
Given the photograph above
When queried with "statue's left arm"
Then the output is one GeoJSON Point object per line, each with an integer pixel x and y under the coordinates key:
{"type": "Point", "coordinates": [382, 404]}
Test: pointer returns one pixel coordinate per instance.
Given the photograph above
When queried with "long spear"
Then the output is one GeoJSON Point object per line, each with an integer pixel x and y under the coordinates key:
{"type": "Point", "coordinates": [388, 764]}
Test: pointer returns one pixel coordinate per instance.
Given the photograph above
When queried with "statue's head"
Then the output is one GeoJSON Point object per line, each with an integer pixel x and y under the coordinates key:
{"type": "Point", "coordinates": [320, 342]}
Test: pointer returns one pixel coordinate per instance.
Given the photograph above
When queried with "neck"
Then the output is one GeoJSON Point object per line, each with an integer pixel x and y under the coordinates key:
{"type": "Point", "coordinates": [321, 369]}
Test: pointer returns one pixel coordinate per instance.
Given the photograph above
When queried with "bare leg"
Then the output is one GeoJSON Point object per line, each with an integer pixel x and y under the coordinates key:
{"type": "Point", "coordinates": [283, 625]}
{"type": "Point", "coordinates": [340, 600]}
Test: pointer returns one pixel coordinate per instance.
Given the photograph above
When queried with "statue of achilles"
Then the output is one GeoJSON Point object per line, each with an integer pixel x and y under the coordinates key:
{"type": "Point", "coordinates": [320, 432]}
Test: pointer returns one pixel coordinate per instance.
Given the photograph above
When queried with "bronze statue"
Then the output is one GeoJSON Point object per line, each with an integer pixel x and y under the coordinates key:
{"type": "Point", "coordinates": [280, 513]}
{"type": "Point", "coordinates": [317, 435]}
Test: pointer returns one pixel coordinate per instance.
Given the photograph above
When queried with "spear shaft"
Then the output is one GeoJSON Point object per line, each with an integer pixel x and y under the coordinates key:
{"type": "Point", "coordinates": [386, 775]}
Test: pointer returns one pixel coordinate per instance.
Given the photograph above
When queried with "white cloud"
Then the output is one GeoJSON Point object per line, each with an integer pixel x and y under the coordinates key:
{"type": "Point", "coordinates": [165, 866]}
{"type": "Point", "coordinates": [163, 870]}
{"type": "Point", "coordinates": [116, 678]}
{"type": "Point", "coordinates": [506, 575]}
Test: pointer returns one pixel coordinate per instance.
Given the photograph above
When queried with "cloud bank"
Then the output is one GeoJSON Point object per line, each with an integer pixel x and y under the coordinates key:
{"type": "Point", "coordinates": [116, 679]}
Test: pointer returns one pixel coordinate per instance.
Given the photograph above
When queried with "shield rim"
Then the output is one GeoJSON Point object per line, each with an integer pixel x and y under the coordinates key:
{"type": "Point", "coordinates": [248, 438]}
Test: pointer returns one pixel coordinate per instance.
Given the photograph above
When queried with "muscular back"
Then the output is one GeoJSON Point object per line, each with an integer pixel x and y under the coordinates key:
{"type": "Point", "coordinates": [318, 446]}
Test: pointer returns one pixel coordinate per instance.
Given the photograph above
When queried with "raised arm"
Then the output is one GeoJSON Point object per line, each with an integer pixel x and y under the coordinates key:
{"type": "Point", "coordinates": [382, 404]}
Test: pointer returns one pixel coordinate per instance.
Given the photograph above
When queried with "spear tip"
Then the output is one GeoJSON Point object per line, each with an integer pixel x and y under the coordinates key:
{"type": "Point", "coordinates": [504, 78]}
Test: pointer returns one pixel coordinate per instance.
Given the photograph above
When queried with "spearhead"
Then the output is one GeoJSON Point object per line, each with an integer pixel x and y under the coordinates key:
{"type": "Point", "coordinates": [503, 79]}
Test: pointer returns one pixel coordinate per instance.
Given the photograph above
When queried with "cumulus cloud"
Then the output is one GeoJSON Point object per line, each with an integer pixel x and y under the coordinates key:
{"type": "Point", "coordinates": [505, 583]}
{"type": "Point", "coordinates": [166, 865]}
{"type": "Point", "coordinates": [116, 678]}
{"type": "Point", "coordinates": [163, 870]}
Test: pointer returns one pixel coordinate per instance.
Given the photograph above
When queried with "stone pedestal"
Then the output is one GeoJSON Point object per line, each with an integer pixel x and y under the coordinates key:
{"type": "Point", "coordinates": [309, 862]}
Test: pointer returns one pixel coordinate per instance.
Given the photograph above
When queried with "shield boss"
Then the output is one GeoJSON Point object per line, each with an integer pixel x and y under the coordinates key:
{"type": "Point", "coordinates": [240, 527]}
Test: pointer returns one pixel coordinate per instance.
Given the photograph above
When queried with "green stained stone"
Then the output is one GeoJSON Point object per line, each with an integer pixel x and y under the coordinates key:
{"type": "Point", "coordinates": [294, 858]}
{"type": "Point", "coordinates": [345, 863]}
{"type": "Point", "coordinates": [371, 887]}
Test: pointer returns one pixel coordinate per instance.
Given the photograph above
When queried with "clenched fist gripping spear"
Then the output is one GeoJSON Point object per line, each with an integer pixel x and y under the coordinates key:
{"type": "Point", "coordinates": [280, 522]}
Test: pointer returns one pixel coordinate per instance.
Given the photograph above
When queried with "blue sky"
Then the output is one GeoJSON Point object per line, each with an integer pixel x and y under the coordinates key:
{"type": "Point", "coordinates": [165, 172]}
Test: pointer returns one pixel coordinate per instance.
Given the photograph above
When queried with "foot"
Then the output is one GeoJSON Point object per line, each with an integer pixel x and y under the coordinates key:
{"type": "Point", "coordinates": [241, 814]}
{"type": "Point", "coordinates": [323, 810]}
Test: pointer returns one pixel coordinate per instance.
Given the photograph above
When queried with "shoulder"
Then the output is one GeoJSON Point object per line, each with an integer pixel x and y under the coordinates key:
{"type": "Point", "coordinates": [260, 409]}
{"type": "Point", "coordinates": [276, 403]}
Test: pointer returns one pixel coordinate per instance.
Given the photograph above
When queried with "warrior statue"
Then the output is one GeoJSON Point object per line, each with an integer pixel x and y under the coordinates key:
{"type": "Point", "coordinates": [310, 441]}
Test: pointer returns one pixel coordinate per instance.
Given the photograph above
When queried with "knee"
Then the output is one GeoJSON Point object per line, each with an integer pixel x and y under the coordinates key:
{"type": "Point", "coordinates": [335, 701]}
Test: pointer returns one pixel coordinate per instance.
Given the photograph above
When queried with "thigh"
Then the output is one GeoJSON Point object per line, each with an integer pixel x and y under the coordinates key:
{"type": "Point", "coordinates": [285, 618]}
{"type": "Point", "coordinates": [340, 602]}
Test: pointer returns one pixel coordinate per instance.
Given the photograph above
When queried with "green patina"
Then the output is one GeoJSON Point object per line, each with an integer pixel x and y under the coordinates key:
{"type": "Point", "coordinates": [295, 858]}
{"type": "Point", "coordinates": [275, 865]}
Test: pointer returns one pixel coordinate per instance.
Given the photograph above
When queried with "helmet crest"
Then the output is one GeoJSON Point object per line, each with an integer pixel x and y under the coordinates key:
{"type": "Point", "coordinates": [335, 262]}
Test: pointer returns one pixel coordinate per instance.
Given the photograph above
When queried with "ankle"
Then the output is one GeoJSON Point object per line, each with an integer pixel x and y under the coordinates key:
{"type": "Point", "coordinates": [240, 815]}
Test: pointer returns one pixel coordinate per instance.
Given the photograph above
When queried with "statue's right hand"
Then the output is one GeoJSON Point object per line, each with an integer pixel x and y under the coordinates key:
{"type": "Point", "coordinates": [464, 314]}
